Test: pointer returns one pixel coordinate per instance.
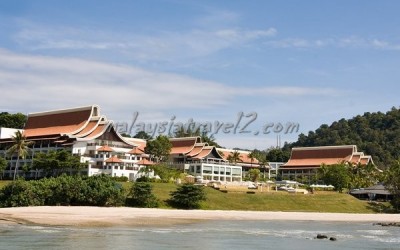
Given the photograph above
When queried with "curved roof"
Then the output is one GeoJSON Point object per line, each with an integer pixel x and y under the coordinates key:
{"type": "Point", "coordinates": [328, 155]}
{"type": "Point", "coordinates": [82, 123]}
{"type": "Point", "coordinates": [183, 145]}
{"type": "Point", "coordinates": [66, 121]}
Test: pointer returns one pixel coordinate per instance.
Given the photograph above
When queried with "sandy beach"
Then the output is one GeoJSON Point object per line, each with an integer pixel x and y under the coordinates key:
{"type": "Point", "coordinates": [124, 216]}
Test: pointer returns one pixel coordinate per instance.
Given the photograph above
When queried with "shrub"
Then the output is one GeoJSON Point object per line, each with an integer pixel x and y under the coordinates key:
{"type": "Point", "coordinates": [101, 190]}
{"type": "Point", "coordinates": [64, 190]}
{"type": "Point", "coordinates": [120, 178]}
{"type": "Point", "coordinates": [22, 193]}
{"type": "Point", "coordinates": [187, 196]}
{"type": "Point", "coordinates": [142, 195]}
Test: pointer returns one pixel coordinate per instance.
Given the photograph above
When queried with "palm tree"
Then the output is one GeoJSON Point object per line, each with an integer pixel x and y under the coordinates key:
{"type": "Point", "coordinates": [234, 157]}
{"type": "Point", "coordinates": [20, 147]}
{"type": "Point", "coordinates": [252, 155]}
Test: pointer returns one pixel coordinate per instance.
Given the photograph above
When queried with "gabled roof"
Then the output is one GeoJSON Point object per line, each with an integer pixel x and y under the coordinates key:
{"type": "Point", "coordinates": [105, 148]}
{"type": "Point", "coordinates": [145, 162]}
{"type": "Point", "coordinates": [136, 151]}
{"type": "Point", "coordinates": [183, 145]}
{"type": "Point", "coordinates": [113, 159]}
{"type": "Point", "coordinates": [314, 157]}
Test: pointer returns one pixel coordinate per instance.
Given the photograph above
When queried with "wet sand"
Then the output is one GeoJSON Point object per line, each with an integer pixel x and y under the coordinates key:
{"type": "Point", "coordinates": [125, 216]}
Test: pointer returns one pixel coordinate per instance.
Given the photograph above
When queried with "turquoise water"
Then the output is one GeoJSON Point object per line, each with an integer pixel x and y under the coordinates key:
{"type": "Point", "coordinates": [205, 235]}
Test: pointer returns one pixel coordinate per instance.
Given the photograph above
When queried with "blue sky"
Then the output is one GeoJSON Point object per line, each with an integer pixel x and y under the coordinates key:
{"type": "Point", "coordinates": [307, 62]}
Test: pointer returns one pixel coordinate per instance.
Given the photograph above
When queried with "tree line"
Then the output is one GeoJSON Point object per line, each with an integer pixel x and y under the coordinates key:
{"type": "Point", "coordinates": [99, 190]}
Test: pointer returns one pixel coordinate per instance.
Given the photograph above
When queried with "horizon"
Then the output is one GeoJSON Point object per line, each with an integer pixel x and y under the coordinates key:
{"type": "Point", "coordinates": [311, 64]}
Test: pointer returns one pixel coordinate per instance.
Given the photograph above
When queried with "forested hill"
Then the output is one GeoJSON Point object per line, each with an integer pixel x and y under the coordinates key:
{"type": "Point", "coordinates": [376, 134]}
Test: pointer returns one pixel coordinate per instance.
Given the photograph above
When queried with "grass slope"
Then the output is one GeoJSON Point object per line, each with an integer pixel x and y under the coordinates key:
{"type": "Point", "coordinates": [272, 201]}
{"type": "Point", "coordinates": [267, 201]}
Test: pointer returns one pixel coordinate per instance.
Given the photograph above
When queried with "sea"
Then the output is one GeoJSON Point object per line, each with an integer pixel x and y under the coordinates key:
{"type": "Point", "coordinates": [204, 235]}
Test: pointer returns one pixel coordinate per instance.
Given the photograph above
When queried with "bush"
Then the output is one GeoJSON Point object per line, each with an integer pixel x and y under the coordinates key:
{"type": "Point", "coordinates": [142, 195]}
{"type": "Point", "coordinates": [120, 178]}
{"type": "Point", "coordinates": [63, 190]}
{"type": "Point", "coordinates": [22, 193]}
{"type": "Point", "coordinates": [101, 190]}
{"type": "Point", "coordinates": [187, 196]}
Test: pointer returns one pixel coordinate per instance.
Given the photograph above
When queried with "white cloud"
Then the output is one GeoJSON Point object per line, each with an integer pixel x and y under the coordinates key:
{"type": "Point", "coordinates": [346, 42]}
{"type": "Point", "coordinates": [35, 83]}
{"type": "Point", "coordinates": [162, 46]}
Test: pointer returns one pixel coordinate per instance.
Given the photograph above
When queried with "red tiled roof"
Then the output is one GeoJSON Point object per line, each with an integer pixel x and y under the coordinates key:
{"type": "Point", "coordinates": [183, 145]}
{"type": "Point", "coordinates": [145, 162]}
{"type": "Point", "coordinates": [89, 127]}
{"type": "Point", "coordinates": [57, 122]}
{"type": "Point", "coordinates": [204, 152]}
{"type": "Point", "coordinates": [105, 148]}
{"type": "Point", "coordinates": [136, 151]}
{"type": "Point", "coordinates": [113, 159]}
{"type": "Point", "coordinates": [196, 150]}
{"type": "Point", "coordinates": [310, 157]}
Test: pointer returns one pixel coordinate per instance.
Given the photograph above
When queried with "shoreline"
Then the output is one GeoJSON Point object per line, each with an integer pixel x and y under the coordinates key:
{"type": "Point", "coordinates": [127, 216]}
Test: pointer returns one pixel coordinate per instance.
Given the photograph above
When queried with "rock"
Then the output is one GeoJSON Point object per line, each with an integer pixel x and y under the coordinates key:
{"type": "Point", "coordinates": [332, 239]}
{"type": "Point", "coordinates": [322, 236]}
{"type": "Point", "coordinates": [387, 224]}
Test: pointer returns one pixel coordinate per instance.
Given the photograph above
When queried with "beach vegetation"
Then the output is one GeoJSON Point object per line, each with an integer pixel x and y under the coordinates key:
{"type": "Point", "coordinates": [187, 196]}
{"type": "Point", "coordinates": [99, 190]}
{"type": "Point", "coordinates": [142, 195]}
{"type": "Point", "coordinates": [392, 183]}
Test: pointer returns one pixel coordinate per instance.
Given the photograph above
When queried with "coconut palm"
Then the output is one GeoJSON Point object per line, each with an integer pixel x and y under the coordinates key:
{"type": "Point", "coordinates": [234, 157]}
{"type": "Point", "coordinates": [20, 147]}
{"type": "Point", "coordinates": [252, 155]}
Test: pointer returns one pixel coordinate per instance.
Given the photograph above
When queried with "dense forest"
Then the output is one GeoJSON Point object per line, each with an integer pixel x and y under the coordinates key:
{"type": "Point", "coordinates": [376, 134]}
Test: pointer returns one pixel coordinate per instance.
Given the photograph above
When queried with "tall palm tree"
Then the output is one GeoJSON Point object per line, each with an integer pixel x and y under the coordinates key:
{"type": "Point", "coordinates": [20, 147]}
{"type": "Point", "coordinates": [234, 157]}
{"type": "Point", "coordinates": [252, 155]}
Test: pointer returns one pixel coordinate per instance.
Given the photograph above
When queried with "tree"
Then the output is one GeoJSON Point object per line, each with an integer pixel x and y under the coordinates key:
{"type": "Point", "coordinates": [278, 155]}
{"type": "Point", "coordinates": [336, 175]}
{"type": "Point", "coordinates": [234, 157]}
{"type": "Point", "coordinates": [142, 195]}
{"type": "Point", "coordinates": [54, 162]}
{"type": "Point", "coordinates": [12, 120]}
{"type": "Point", "coordinates": [392, 183]}
{"type": "Point", "coordinates": [142, 135]}
{"type": "Point", "coordinates": [252, 155]}
{"type": "Point", "coordinates": [20, 147]}
{"type": "Point", "coordinates": [254, 174]}
{"type": "Point", "coordinates": [3, 166]}
{"type": "Point", "coordinates": [159, 148]}
{"type": "Point", "coordinates": [188, 196]}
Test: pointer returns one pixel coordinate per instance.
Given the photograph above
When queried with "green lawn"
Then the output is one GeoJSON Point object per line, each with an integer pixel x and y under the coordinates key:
{"type": "Point", "coordinates": [273, 201]}
{"type": "Point", "coordinates": [267, 201]}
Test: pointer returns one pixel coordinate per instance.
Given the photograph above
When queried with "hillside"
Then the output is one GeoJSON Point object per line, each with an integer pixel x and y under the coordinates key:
{"type": "Point", "coordinates": [376, 134]}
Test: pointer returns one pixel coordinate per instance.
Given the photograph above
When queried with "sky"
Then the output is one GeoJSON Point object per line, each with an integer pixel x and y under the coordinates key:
{"type": "Point", "coordinates": [269, 64]}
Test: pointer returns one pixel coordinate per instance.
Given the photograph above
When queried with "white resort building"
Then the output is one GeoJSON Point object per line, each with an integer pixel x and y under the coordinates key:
{"type": "Point", "coordinates": [85, 132]}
